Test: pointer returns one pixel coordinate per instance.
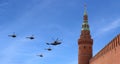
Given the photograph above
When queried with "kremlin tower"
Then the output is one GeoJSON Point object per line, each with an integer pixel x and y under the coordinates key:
{"type": "Point", "coordinates": [85, 42]}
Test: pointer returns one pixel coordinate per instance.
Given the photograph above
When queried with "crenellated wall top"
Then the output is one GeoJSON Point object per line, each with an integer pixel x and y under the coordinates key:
{"type": "Point", "coordinates": [111, 45]}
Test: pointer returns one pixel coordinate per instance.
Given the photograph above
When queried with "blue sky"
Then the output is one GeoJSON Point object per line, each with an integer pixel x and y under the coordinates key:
{"type": "Point", "coordinates": [50, 19]}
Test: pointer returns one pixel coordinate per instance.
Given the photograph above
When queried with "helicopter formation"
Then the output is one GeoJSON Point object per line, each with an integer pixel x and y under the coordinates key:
{"type": "Point", "coordinates": [54, 43]}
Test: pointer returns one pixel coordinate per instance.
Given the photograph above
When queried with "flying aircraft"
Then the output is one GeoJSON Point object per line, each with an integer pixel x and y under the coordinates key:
{"type": "Point", "coordinates": [40, 55]}
{"type": "Point", "coordinates": [31, 37]}
{"type": "Point", "coordinates": [49, 49]}
{"type": "Point", "coordinates": [12, 35]}
{"type": "Point", "coordinates": [56, 42]}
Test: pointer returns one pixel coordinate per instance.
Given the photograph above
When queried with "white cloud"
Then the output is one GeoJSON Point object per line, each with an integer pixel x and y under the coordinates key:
{"type": "Point", "coordinates": [108, 27]}
{"type": "Point", "coordinates": [111, 26]}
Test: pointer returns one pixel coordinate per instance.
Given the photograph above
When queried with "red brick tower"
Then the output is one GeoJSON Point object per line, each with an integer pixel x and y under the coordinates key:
{"type": "Point", "coordinates": [85, 42]}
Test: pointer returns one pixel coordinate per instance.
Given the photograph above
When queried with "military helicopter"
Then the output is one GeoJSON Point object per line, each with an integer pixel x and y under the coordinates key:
{"type": "Point", "coordinates": [49, 49]}
{"type": "Point", "coordinates": [12, 35]}
{"type": "Point", "coordinates": [40, 55]}
{"type": "Point", "coordinates": [56, 42]}
{"type": "Point", "coordinates": [31, 37]}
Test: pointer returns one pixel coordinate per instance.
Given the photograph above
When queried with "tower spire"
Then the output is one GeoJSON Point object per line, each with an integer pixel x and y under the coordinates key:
{"type": "Point", "coordinates": [85, 25]}
{"type": "Point", "coordinates": [85, 9]}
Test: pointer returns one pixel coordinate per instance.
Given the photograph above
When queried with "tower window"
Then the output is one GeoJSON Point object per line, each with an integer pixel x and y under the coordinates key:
{"type": "Point", "coordinates": [84, 47]}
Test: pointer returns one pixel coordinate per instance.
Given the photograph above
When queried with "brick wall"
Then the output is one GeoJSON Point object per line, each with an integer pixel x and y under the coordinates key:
{"type": "Point", "coordinates": [110, 54]}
